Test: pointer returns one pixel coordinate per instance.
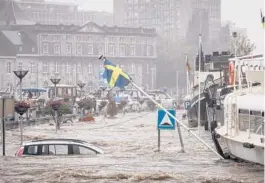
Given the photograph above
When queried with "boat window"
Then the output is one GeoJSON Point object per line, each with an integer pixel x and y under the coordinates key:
{"type": "Point", "coordinates": [256, 119]}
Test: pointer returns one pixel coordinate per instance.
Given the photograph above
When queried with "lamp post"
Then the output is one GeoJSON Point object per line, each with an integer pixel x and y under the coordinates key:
{"type": "Point", "coordinates": [81, 86]}
{"type": "Point", "coordinates": [234, 34]}
{"type": "Point", "coordinates": [20, 74]}
{"type": "Point", "coordinates": [55, 81]}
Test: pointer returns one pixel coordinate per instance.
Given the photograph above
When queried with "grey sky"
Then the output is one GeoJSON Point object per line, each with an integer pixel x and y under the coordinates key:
{"type": "Point", "coordinates": [244, 13]}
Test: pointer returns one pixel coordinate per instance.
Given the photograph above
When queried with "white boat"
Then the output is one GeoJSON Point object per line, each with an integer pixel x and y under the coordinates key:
{"type": "Point", "coordinates": [243, 127]}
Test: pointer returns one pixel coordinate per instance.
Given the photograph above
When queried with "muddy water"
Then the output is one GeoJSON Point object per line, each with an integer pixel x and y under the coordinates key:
{"type": "Point", "coordinates": [130, 145]}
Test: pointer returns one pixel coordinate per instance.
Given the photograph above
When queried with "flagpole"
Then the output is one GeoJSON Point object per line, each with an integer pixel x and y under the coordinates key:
{"type": "Point", "coordinates": [187, 75]}
{"type": "Point", "coordinates": [199, 102]}
{"type": "Point", "coordinates": [177, 121]}
{"type": "Point", "coordinates": [180, 123]}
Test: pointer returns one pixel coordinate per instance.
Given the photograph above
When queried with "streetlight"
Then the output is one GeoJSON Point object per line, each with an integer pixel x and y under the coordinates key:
{"type": "Point", "coordinates": [81, 86]}
{"type": "Point", "coordinates": [234, 34]}
{"type": "Point", "coordinates": [20, 74]}
{"type": "Point", "coordinates": [55, 81]}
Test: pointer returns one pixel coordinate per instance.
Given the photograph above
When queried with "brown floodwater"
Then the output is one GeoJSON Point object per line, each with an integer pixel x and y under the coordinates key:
{"type": "Point", "coordinates": [130, 144]}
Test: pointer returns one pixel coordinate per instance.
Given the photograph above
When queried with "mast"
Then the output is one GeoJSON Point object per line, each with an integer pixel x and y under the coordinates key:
{"type": "Point", "coordinates": [199, 102]}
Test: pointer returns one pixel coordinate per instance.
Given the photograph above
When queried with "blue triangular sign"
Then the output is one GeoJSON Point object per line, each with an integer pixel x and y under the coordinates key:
{"type": "Point", "coordinates": [164, 121]}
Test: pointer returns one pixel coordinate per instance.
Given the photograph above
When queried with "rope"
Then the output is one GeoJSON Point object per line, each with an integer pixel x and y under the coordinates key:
{"type": "Point", "coordinates": [141, 116]}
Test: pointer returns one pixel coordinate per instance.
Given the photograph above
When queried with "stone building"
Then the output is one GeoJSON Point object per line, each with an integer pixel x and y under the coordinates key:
{"type": "Point", "coordinates": [56, 12]}
{"type": "Point", "coordinates": [71, 52]}
{"type": "Point", "coordinates": [171, 18]}
{"type": "Point", "coordinates": [163, 15]}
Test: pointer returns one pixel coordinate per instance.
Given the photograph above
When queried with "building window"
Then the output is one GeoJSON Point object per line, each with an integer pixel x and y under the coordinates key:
{"type": "Point", "coordinates": [44, 37]}
{"type": "Point", "coordinates": [67, 68]}
{"type": "Point", "coordinates": [8, 67]}
{"type": "Point", "coordinates": [90, 49]}
{"type": "Point", "coordinates": [101, 49]}
{"type": "Point", "coordinates": [68, 48]}
{"type": "Point", "coordinates": [68, 37]}
{"type": "Point", "coordinates": [111, 49]}
{"type": "Point", "coordinates": [45, 48]}
{"type": "Point", "coordinates": [147, 68]}
{"type": "Point", "coordinates": [89, 68]}
{"type": "Point", "coordinates": [56, 48]}
{"type": "Point", "coordinates": [78, 38]}
{"type": "Point", "coordinates": [56, 67]}
{"type": "Point", "coordinates": [132, 50]}
{"type": "Point", "coordinates": [32, 67]}
{"type": "Point", "coordinates": [78, 49]}
{"type": "Point", "coordinates": [20, 66]}
{"type": "Point", "coordinates": [79, 68]}
{"type": "Point", "coordinates": [133, 69]}
{"type": "Point", "coordinates": [122, 50]}
{"type": "Point", "coordinates": [122, 66]}
{"type": "Point", "coordinates": [148, 50]}
{"type": "Point", "coordinates": [45, 67]}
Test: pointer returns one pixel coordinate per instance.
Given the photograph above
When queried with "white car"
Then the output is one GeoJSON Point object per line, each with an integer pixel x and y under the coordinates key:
{"type": "Point", "coordinates": [166, 100]}
{"type": "Point", "coordinates": [55, 147]}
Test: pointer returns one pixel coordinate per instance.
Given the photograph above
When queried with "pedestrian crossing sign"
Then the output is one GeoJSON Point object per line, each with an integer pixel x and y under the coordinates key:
{"type": "Point", "coordinates": [166, 122]}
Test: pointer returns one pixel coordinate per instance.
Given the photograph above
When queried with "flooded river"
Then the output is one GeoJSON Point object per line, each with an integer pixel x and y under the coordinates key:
{"type": "Point", "coordinates": [130, 144]}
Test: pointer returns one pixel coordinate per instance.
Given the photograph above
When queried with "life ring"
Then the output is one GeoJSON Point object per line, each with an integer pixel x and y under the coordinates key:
{"type": "Point", "coordinates": [231, 73]}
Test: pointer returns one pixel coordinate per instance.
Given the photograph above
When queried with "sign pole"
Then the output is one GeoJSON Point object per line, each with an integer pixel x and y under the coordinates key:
{"type": "Point", "coordinates": [158, 142]}
{"type": "Point", "coordinates": [3, 127]}
{"type": "Point", "coordinates": [180, 138]}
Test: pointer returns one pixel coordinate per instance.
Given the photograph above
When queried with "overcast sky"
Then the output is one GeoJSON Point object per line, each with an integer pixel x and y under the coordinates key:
{"type": "Point", "coordinates": [244, 13]}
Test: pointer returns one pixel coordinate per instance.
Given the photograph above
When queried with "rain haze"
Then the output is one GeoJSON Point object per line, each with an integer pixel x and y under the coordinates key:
{"type": "Point", "coordinates": [244, 13]}
{"type": "Point", "coordinates": [119, 91]}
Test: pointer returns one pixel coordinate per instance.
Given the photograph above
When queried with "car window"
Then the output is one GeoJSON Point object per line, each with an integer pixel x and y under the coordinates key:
{"type": "Point", "coordinates": [32, 150]}
{"type": "Point", "coordinates": [82, 150]}
{"type": "Point", "coordinates": [76, 149]}
{"type": "Point", "coordinates": [52, 150]}
{"type": "Point", "coordinates": [45, 150]}
{"type": "Point", "coordinates": [61, 149]}
{"type": "Point", "coordinates": [86, 151]}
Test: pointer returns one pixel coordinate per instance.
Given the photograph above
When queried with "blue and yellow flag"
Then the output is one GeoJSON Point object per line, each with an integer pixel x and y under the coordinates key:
{"type": "Point", "coordinates": [115, 75]}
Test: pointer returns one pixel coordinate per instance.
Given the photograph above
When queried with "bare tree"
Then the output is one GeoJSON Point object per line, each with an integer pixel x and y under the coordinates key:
{"type": "Point", "coordinates": [243, 46]}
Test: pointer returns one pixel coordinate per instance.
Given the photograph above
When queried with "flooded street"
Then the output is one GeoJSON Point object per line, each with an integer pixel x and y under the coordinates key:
{"type": "Point", "coordinates": [130, 144]}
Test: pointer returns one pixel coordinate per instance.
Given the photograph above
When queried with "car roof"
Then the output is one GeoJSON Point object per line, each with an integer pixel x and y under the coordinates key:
{"type": "Point", "coordinates": [63, 142]}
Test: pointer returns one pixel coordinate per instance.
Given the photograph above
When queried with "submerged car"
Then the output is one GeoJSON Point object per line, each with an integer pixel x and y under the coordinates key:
{"type": "Point", "coordinates": [53, 147]}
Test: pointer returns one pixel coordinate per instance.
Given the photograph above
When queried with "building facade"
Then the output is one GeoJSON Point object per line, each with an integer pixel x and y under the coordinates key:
{"type": "Point", "coordinates": [71, 54]}
{"type": "Point", "coordinates": [163, 15]}
{"type": "Point", "coordinates": [56, 12]}
{"type": "Point", "coordinates": [171, 18]}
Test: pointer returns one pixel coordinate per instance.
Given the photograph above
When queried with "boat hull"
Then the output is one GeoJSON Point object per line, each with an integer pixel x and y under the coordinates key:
{"type": "Point", "coordinates": [237, 149]}
{"type": "Point", "coordinates": [192, 113]}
